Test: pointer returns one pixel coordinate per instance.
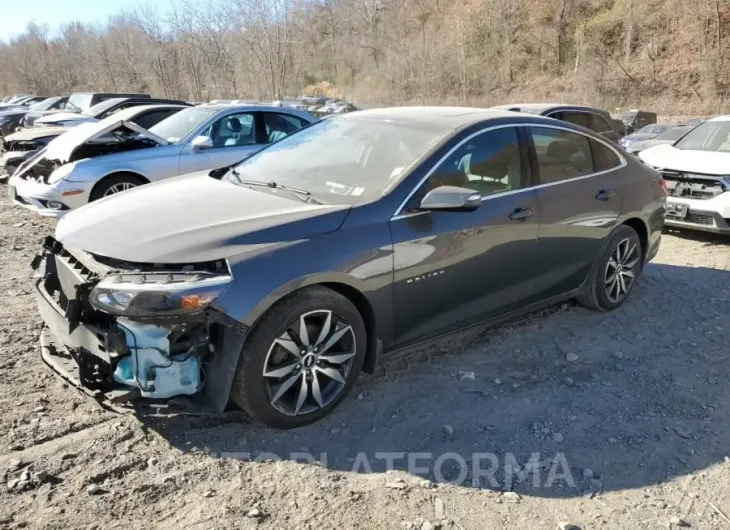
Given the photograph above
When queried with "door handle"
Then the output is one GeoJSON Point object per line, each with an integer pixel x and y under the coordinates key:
{"type": "Point", "coordinates": [520, 214]}
{"type": "Point", "coordinates": [604, 195]}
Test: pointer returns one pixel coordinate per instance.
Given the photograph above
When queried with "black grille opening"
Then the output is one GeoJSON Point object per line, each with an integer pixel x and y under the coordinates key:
{"type": "Point", "coordinates": [699, 219]}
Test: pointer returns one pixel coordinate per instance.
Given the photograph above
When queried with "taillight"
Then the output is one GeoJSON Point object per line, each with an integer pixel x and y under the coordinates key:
{"type": "Point", "coordinates": [663, 184]}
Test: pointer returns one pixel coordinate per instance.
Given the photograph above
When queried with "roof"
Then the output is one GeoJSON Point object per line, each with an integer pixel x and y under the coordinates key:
{"type": "Point", "coordinates": [453, 117]}
{"type": "Point", "coordinates": [720, 118]}
{"type": "Point", "coordinates": [131, 112]}
{"type": "Point", "coordinates": [539, 108]}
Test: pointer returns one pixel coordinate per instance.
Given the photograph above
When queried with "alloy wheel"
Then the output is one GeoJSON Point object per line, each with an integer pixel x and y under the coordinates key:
{"type": "Point", "coordinates": [307, 366]}
{"type": "Point", "coordinates": [620, 274]}
{"type": "Point", "coordinates": [118, 188]}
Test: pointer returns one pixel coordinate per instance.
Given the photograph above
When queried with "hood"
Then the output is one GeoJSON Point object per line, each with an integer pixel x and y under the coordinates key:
{"type": "Point", "coordinates": [63, 116]}
{"type": "Point", "coordinates": [193, 219]}
{"type": "Point", "coordinates": [63, 147]}
{"type": "Point", "coordinates": [33, 134]}
{"type": "Point", "coordinates": [705, 162]}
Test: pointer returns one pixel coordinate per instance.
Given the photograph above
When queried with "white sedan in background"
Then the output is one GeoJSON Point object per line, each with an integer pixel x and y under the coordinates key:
{"type": "Point", "coordinates": [697, 172]}
{"type": "Point", "coordinates": [96, 160]}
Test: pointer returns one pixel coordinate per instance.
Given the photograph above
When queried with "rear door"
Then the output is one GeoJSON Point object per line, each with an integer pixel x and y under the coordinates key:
{"type": "Point", "coordinates": [578, 201]}
{"type": "Point", "coordinates": [454, 268]}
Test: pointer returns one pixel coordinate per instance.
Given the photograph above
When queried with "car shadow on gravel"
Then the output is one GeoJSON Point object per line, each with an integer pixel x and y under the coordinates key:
{"type": "Point", "coordinates": [608, 401]}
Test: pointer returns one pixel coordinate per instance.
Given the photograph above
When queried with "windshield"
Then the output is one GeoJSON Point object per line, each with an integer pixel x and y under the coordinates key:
{"type": "Point", "coordinates": [181, 124]}
{"type": "Point", "coordinates": [653, 129]}
{"type": "Point", "coordinates": [100, 108]}
{"type": "Point", "coordinates": [674, 134]}
{"type": "Point", "coordinates": [342, 160]}
{"type": "Point", "coordinates": [45, 104]}
{"type": "Point", "coordinates": [710, 136]}
{"type": "Point", "coordinates": [80, 102]}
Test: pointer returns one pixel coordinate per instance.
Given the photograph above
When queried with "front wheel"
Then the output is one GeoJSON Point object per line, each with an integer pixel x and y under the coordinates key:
{"type": "Point", "coordinates": [617, 271]}
{"type": "Point", "coordinates": [114, 184]}
{"type": "Point", "coordinates": [301, 359]}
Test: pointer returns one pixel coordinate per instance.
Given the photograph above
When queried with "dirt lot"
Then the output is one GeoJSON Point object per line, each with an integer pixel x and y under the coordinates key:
{"type": "Point", "coordinates": [627, 410]}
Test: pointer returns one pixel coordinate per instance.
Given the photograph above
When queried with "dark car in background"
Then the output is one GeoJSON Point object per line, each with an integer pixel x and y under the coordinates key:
{"type": "Point", "coordinates": [596, 120]}
{"type": "Point", "coordinates": [102, 110]}
{"type": "Point", "coordinates": [272, 283]}
{"type": "Point", "coordinates": [79, 102]}
{"type": "Point", "coordinates": [634, 142]}
{"type": "Point", "coordinates": [636, 119]}
{"type": "Point", "coordinates": [10, 120]}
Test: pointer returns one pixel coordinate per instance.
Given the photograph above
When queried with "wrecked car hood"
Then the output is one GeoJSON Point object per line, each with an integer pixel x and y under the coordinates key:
{"type": "Point", "coordinates": [194, 218]}
{"type": "Point", "coordinates": [33, 134]}
{"type": "Point", "coordinates": [669, 157]}
{"type": "Point", "coordinates": [63, 147]}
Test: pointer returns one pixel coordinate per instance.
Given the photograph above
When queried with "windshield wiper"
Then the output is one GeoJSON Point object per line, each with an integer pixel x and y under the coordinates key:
{"type": "Point", "coordinates": [294, 192]}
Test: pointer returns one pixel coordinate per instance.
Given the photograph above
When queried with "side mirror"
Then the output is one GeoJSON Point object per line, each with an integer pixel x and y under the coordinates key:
{"type": "Point", "coordinates": [202, 142]}
{"type": "Point", "coordinates": [451, 198]}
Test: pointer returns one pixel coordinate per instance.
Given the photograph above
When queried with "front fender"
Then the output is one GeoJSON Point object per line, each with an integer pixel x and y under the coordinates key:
{"type": "Point", "coordinates": [360, 258]}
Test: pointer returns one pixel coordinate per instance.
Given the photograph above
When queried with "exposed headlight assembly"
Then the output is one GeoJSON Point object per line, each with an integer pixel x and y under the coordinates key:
{"type": "Point", "coordinates": [158, 294]}
{"type": "Point", "coordinates": [61, 173]}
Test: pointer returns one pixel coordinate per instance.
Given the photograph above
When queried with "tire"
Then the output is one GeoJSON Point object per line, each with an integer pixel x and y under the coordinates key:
{"type": "Point", "coordinates": [261, 396]}
{"type": "Point", "coordinates": [104, 186]}
{"type": "Point", "coordinates": [598, 296]}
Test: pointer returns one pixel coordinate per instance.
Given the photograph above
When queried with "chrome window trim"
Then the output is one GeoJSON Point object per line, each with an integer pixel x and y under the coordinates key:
{"type": "Point", "coordinates": [398, 215]}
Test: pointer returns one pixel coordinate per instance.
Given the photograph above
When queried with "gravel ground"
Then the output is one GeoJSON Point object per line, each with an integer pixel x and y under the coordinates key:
{"type": "Point", "coordinates": [626, 412]}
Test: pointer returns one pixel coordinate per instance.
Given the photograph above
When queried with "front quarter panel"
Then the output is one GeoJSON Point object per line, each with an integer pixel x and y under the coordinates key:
{"type": "Point", "coordinates": [358, 255]}
{"type": "Point", "coordinates": [155, 163]}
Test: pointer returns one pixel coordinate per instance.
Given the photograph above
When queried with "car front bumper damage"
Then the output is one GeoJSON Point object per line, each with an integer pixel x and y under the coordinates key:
{"type": "Point", "coordinates": [84, 346]}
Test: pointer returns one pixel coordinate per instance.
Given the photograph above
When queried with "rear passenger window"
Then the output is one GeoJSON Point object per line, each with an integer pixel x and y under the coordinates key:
{"type": "Point", "coordinates": [488, 163]}
{"type": "Point", "coordinates": [561, 154]}
{"type": "Point", "coordinates": [599, 124]}
{"type": "Point", "coordinates": [604, 158]}
{"type": "Point", "coordinates": [578, 118]}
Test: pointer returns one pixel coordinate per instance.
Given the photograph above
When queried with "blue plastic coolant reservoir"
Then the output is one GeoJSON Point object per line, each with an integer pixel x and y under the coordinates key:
{"type": "Point", "coordinates": [150, 368]}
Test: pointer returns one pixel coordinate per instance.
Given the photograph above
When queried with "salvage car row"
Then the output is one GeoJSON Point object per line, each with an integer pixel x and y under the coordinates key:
{"type": "Point", "coordinates": [296, 252]}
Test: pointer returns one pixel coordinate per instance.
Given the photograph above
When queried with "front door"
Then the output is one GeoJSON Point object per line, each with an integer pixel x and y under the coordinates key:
{"type": "Point", "coordinates": [579, 202]}
{"type": "Point", "coordinates": [233, 136]}
{"type": "Point", "coordinates": [453, 268]}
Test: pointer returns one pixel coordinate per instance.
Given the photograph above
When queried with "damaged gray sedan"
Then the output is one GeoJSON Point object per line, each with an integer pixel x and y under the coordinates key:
{"type": "Point", "coordinates": [274, 282]}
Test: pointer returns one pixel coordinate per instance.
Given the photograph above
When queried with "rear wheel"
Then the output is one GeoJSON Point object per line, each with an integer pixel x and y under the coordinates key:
{"type": "Point", "coordinates": [301, 359]}
{"type": "Point", "coordinates": [114, 184]}
{"type": "Point", "coordinates": [617, 271]}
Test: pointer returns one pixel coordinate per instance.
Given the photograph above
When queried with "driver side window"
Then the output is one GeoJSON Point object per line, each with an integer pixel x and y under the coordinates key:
{"type": "Point", "coordinates": [487, 163]}
{"type": "Point", "coordinates": [234, 130]}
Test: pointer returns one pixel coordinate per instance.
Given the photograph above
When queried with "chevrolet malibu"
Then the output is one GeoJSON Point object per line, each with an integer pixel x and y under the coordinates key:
{"type": "Point", "coordinates": [273, 283]}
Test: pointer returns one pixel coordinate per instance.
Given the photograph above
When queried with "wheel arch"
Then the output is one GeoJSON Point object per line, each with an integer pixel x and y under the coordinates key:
{"type": "Point", "coordinates": [642, 230]}
{"type": "Point", "coordinates": [115, 173]}
{"type": "Point", "coordinates": [349, 287]}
